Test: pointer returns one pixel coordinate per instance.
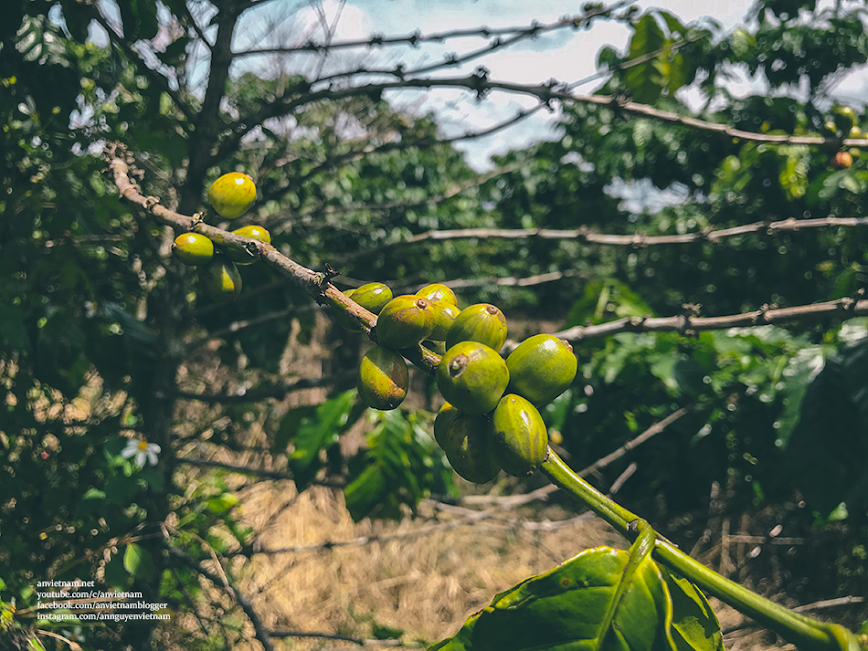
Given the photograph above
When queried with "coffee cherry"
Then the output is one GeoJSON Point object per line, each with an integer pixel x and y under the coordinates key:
{"type": "Point", "coordinates": [438, 293]}
{"type": "Point", "coordinates": [254, 232]}
{"type": "Point", "coordinates": [472, 377]}
{"type": "Point", "coordinates": [467, 442]}
{"type": "Point", "coordinates": [405, 321]}
{"type": "Point", "coordinates": [847, 113]}
{"type": "Point", "coordinates": [221, 279]}
{"type": "Point", "coordinates": [193, 248]}
{"type": "Point", "coordinates": [383, 378]}
{"type": "Point", "coordinates": [443, 422]}
{"type": "Point", "coordinates": [342, 318]}
{"type": "Point", "coordinates": [444, 315]}
{"type": "Point", "coordinates": [520, 435]}
{"type": "Point", "coordinates": [842, 160]}
{"type": "Point", "coordinates": [232, 195]}
{"type": "Point", "coordinates": [541, 368]}
{"type": "Point", "coordinates": [372, 296]}
{"type": "Point", "coordinates": [482, 322]}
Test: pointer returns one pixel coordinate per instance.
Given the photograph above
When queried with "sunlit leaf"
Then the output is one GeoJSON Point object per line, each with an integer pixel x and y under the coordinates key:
{"type": "Point", "coordinates": [577, 605]}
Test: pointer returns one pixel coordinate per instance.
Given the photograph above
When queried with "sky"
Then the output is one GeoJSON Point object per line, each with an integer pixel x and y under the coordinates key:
{"type": "Point", "coordinates": [564, 55]}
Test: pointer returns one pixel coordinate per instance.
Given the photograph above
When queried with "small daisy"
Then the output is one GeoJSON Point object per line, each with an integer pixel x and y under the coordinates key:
{"type": "Point", "coordinates": [143, 452]}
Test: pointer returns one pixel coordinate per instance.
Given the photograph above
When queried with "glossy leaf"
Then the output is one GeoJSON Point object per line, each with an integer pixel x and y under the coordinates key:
{"type": "Point", "coordinates": [592, 602]}
{"type": "Point", "coordinates": [694, 625]}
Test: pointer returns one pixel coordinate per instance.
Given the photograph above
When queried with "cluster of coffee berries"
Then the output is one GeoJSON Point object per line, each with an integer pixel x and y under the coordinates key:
{"type": "Point", "coordinates": [843, 123]}
{"type": "Point", "coordinates": [230, 196]}
{"type": "Point", "coordinates": [490, 420]}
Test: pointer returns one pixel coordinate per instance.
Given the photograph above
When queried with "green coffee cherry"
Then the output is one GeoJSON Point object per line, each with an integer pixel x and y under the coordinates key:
{"type": "Point", "coordinates": [372, 296]}
{"type": "Point", "coordinates": [232, 194]}
{"type": "Point", "coordinates": [444, 315]}
{"type": "Point", "coordinates": [482, 322]}
{"type": "Point", "coordinates": [472, 377]}
{"type": "Point", "coordinates": [405, 321]}
{"type": "Point", "coordinates": [254, 232]}
{"type": "Point", "coordinates": [193, 248]}
{"type": "Point", "coordinates": [520, 435]}
{"type": "Point", "coordinates": [541, 368]}
{"type": "Point", "coordinates": [467, 442]}
{"type": "Point", "coordinates": [221, 279]}
{"type": "Point", "coordinates": [382, 379]}
{"type": "Point", "coordinates": [438, 293]}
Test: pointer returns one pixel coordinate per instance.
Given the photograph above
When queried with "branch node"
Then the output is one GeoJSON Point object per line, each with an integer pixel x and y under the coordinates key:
{"type": "Point", "coordinates": [690, 310]}
{"type": "Point", "coordinates": [479, 81]}
{"type": "Point", "coordinates": [331, 272]}
{"type": "Point", "coordinates": [150, 202]}
{"type": "Point", "coordinates": [760, 317]}
{"type": "Point", "coordinates": [847, 304]}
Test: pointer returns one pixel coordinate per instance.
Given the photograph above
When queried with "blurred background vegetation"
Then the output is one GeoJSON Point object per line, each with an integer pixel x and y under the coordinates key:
{"type": "Point", "coordinates": [104, 336]}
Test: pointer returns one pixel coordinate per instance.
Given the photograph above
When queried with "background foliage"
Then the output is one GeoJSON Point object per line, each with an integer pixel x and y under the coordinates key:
{"type": "Point", "coordinates": [104, 336]}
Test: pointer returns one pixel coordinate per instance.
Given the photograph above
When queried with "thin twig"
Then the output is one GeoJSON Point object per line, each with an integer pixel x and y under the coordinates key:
{"type": "Point", "coordinates": [479, 83]}
{"type": "Point", "coordinates": [262, 633]}
{"type": "Point", "coordinates": [416, 38]}
{"type": "Point", "coordinates": [583, 235]}
{"type": "Point", "coordinates": [842, 309]}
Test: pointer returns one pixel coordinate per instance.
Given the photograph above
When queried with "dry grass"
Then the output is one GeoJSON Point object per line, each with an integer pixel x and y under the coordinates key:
{"type": "Point", "coordinates": [424, 576]}
{"type": "Point", "coordinates": [425, 580]}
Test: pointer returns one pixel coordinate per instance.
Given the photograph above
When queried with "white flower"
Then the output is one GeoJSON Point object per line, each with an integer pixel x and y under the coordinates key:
{"type": "Point", "coordinates": [142, 450]}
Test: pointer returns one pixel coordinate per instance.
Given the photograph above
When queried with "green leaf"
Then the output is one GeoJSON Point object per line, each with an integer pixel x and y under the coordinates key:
{"type": "Point", "coordinates": [796, 377]}
{"type": "Point", "coordinates": [827, 452]}
{"type": "Point", "coordinates": [138, 561]}
{"type": "Point", "coordinates": [367, 493]}
{"type": "Point", "coordinates": [116, 575]}
{"type": "Point", "coordinates": [645, 80]}
{"type": "Point", "coordinates": [401, 466]}
{"type": "Point", "coordinates": [317, 433]}
{"type": "Point", "coordinates": [694, 625]}
{"type": "Point", "coordinates": [672, 22]}
{"type": "Point", "coordinates": [591, 602]}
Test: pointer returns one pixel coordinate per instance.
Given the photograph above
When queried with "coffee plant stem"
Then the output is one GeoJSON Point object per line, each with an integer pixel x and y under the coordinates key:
{"type": "Point", "coordinates": [806, 633]}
